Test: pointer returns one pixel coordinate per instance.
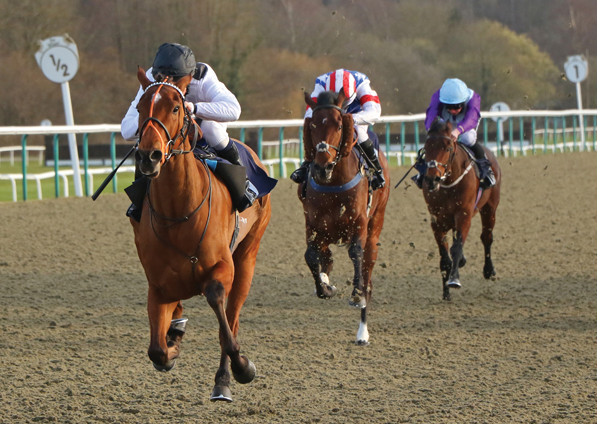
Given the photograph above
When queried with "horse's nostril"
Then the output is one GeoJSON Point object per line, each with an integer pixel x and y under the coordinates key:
{"type": "Point", "coordinates": [329, 167]}
{"type": "Point", "coordinates": [156, 156]}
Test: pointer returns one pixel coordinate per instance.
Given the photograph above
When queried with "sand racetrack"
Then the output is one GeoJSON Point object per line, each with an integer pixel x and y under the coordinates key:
{"type": "Point", "coordinates": [522, 348]}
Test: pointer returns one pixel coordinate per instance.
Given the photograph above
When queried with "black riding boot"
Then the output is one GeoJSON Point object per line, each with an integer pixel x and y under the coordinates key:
{"type": "Point", "coordinates": [300, 174]}
{"type": "Point", "coordinates": [379, 181]}
{"type": "Point", "coordinates": [420, 166]}
{"type": "Point", "coordinates": [133, 211]}
{"type": "Point", "coordinates": [487, 178]}
{"type": "Point", "coordinates": [230, 153]}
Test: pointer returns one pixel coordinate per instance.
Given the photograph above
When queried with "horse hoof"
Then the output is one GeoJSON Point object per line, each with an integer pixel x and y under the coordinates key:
{"type": "Point", "coordinates": [454, 284]}
{"type": "Point", "coordinates": [358, 302]}
{"type": "Point", "coordinates": [489, 273]}
{"type": "Point", "coordinates": [362, 343]}
{"type": "Point", "coordinates": [165, 368]}
{"type": "Point", "coordinates": [248, 375]}
{"type": "Point", "coordinates": [221, 393]}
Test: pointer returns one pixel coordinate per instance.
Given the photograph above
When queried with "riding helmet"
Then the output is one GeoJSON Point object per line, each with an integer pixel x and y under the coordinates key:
{"type": "Point", "coordinates": [341, 78]}
{"type": "Point", "coordinates": [454, 91]}
{"type": "Point", "coordinates": [173, 60]}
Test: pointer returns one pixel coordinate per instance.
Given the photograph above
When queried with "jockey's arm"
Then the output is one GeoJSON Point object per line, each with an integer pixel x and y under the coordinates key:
{"type": "Point", "coordinates": [369, 103]}
{"type": "Point", "coordinates": [472, 114]}
{"type": "Point", "coordinates": [130, 123]}
{"type": "Point", "coordinates": [433, 111]}
{"type": "Point", "coordinates": [319, 88]}
{"type": "Point", "coordinates": [213, 101]}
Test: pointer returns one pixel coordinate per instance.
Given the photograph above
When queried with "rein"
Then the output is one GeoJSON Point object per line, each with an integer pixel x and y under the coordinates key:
{"type": "Point", "coordinates": [324, 147]}
{"type": "Point", "coordinates": [174, 221]}
{"type": "Point", "coordinates": [447, 173]}
{"type": "Point", "coordinates": [184, 131]}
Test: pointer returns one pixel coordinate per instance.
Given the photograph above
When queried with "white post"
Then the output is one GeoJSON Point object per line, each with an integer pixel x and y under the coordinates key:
{"type": "Point", "coordinates": [580, 117]}
{"type": "Point", "coordinates": [72, 140]}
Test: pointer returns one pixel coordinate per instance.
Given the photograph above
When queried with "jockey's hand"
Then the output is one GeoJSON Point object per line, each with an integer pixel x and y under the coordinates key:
{"type": "Point", "coordinates": [455, 134]}
{"type": "Point", "coordinates": [190, 107]}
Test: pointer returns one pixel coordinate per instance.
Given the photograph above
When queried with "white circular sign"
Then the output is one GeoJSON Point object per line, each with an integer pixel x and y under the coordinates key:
{"type": "Point", "coordinates": [499, 107]}
{"type": "Point", "coordinates": [59, 64]}
{"type": "Point", "coordinates": [577, 69]}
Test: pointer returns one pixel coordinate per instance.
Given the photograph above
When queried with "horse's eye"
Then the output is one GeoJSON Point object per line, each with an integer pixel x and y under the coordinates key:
{"type": "Point", "coordinates": [313, 125]}
{"type": "Point", "coordinates": [176, 109]}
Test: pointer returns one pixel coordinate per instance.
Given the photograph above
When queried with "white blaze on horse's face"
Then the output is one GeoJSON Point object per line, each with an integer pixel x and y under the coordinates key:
{"type": "Point", "coordinates": [157, 97]}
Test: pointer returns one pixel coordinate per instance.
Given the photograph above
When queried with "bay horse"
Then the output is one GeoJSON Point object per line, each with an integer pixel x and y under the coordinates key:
{"type": "Point", "coordinates": [453, 197]}
{"type": "Point", "coordinates": [339, 206]}
{"type": "Point", "coordinates": [184, 236]}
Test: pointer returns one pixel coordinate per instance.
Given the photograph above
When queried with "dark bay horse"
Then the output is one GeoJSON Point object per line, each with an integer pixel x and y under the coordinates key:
{"type": "Point", "coordinates": [339, 206]}
{"type": "Point", "coordinates": [185, 233]}
{"type": "Point", "coordinates": [451, 190]}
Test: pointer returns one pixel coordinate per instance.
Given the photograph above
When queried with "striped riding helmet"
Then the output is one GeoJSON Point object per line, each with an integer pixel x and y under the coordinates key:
{"type": "Point", "coordinates": [339, 79]}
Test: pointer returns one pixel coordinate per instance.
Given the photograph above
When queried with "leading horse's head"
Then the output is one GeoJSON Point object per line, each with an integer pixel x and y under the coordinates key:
{"type": "Point", "coordinates": [163, 122]}
{"type": "Point", "coordinates": [329, 134]}
{"type": "Point", "coordinates": [439, 153]}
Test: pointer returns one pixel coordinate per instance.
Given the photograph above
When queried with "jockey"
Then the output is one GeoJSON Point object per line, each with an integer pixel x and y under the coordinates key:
{"type": "Point", "coordinates": [365, 112]}
{"type": "Point", "coordinates": [207, 98]}
{"type": "Point", "coordinates": [461, 106]}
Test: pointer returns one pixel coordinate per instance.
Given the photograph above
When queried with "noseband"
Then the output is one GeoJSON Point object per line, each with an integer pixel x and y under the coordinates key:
{"type": "Point", "coordinates": [324, 147]}
{"type": "Point", "coordinates": [184, 131]}
{"type": "Point", "coordinates": [436, 164]}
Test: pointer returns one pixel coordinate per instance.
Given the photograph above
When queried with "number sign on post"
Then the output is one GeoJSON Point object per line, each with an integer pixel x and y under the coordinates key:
{"type": "Point", "coordinates": [58, 59]}
{"type": "Point", "coordinates": [577, 69]}
{"type": "Point", "coordinates": [500, 107]}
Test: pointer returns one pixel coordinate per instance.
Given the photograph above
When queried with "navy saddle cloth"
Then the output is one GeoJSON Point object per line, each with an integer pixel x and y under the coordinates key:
{"type": "Point", "coordinates": [257, 176]}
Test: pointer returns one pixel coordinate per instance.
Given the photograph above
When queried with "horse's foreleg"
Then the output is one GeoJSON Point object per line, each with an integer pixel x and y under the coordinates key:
{"type": "Point", "coordinates": [215, 294]}
{"type": "Point", "coordinates": [313, 258]}
{"type": "Point", "coordinates": [356, 254]}
{"type": "Point", "coordinates": [488, 222]}
{"type": "Point", "coordinates": [463, 224]}
{"type": "Point", "coordinates": [164, 346]}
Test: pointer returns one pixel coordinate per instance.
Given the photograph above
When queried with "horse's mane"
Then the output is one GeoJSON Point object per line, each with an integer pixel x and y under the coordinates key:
{"type": "Point", "coordinates": [327, 98]}
{"type": "Point", "coordinates": [438, 126]}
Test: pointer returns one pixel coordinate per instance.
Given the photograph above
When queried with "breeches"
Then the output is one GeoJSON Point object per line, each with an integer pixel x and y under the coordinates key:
{"type": "Point", "coordinates": [215, 134]}
{"type": "Point", "coordinates": [469, 138]}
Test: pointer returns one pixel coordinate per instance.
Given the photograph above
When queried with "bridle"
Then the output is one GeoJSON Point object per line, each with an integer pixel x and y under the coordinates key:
{"type": "Point", "coordinates": [323, 147]}
{"type": "Point", "coordinates": [182, 134]}
{"type": "Point", "coordinates": [445, 166]}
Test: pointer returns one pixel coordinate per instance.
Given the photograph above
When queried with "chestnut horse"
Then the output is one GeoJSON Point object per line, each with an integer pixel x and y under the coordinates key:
{"type": "Point", "coordinates": [453, 197]}
{"type": "Point", "coordinates": [184, 236]}
{"type": "Point", "coordinates": [339, 205]}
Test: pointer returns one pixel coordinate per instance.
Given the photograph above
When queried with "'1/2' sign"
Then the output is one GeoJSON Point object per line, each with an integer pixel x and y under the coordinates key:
{"type": "Point", "coordinates": [58, 59]}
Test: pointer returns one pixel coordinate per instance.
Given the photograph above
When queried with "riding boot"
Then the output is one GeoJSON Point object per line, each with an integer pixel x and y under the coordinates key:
{"type": "Point", "coordinates": [487, 177]}
{"type": "Point", "coordinates": [379, 181]}
{"type": "Point", "coordinates": [300, 173]}
{"type": "Point", "coordinates": [420, 166]}
{"type": "Point", "coordinates": [133, 211]}
{"type": "Point", "coordinates": [230, 153]}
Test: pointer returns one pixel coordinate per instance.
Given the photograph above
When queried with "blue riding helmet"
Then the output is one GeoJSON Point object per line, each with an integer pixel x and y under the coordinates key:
{"type": "Point", "coordinates": [454, 91]}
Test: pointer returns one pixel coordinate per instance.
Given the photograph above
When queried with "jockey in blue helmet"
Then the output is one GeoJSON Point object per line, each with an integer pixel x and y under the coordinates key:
{"type": "Point", "coordinates": [454, 102]}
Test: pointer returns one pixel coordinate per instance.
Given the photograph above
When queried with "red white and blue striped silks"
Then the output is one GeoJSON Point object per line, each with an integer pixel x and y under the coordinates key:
{"type": "Point", "coordinates": [367, 108]}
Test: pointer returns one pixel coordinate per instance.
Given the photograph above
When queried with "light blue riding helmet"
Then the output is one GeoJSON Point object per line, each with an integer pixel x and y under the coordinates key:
{"type": "Point", "coordinates": [454, 91]}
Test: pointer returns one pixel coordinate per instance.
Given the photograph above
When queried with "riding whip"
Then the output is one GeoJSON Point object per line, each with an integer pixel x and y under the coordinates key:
{"type": "Point", "coordinates": [111, 175]}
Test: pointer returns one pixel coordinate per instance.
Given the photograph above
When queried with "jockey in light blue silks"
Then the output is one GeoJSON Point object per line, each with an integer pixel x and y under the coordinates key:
{"type": "Point", "coordinates": [461, 106]}
{"type": "Point", "coordinates": [363, 103]}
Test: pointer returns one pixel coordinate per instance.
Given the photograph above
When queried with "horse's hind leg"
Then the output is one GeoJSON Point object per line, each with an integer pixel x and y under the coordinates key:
{"type": "Point", "coordinates": [463, 225]}
{"type": "Point", "coordinates": [445, 262]}
{"type": "Point", "coordinates": [164, 346]}
{"type": "Point", "coordinates": [488, 221]}
{"type": "Point", "coordinates": [358, 297]}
